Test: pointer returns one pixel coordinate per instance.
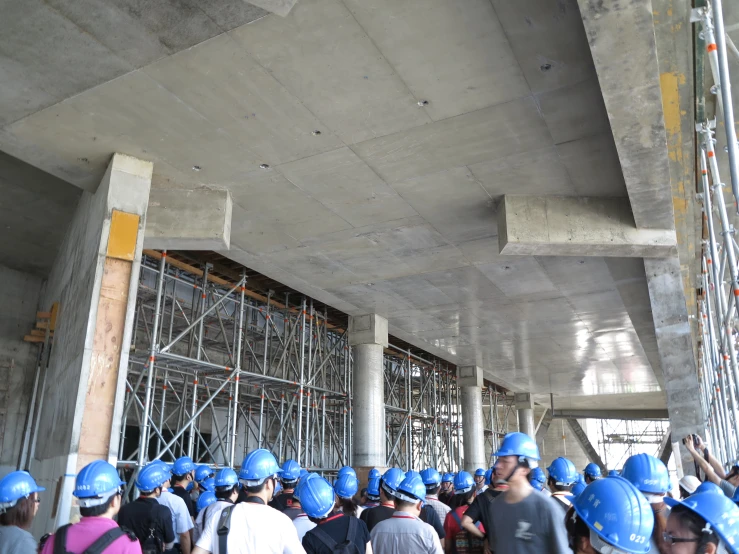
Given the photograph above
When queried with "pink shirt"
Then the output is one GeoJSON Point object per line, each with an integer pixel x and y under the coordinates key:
{"type": "Point", "coordinates": [81, 536]}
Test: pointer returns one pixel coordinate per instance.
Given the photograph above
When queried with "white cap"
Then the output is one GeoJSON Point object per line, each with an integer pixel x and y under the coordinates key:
{"type": "Point", "coordinates": [690, 483]}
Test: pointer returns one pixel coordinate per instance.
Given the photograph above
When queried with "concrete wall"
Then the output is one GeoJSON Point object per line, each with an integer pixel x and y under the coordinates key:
{"type": "Point", "coordinates": [554, 446]}
{"type": "Point", "coordinates": [18, 304]}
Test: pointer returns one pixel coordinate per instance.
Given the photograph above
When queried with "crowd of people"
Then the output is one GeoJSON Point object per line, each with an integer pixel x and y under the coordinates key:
{"type": "Point", "coordinates": [515, 507]}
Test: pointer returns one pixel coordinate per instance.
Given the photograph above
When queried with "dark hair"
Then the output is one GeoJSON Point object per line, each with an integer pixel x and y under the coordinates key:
{"type": "Point", "coordinates": [256, 489]}
{"type": "Point", "coordinates": [389, 496]}
{"type": "Point", "coordinates": [179, 478]}
{"type": "Point", "coordinates": [577, 529]}
{"type": "Point", "coordinates": [97, 511]}
{"type": "Point", "coordinates": [461, 499]}
{"type": "Point", "coordinates": [289, 484]}
{"type": "Point", "coordinates": [20, 515]}
{"type": "Point", "coordinates": [695, 525]}
{"type": "Point", "coordinates": [222, 493]}
{"type": "Point", "coordinates": [432, 489]}
{"type": "Point", "coordinates": [558, 488]}
{"type": "Point", "coordinates": [348, 506]}
{"type": "Point", "coordinates": [149, 493]}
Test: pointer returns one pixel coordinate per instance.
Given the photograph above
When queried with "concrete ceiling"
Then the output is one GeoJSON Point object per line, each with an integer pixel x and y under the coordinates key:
{"type": "Point", "coordinates": [390, 130]}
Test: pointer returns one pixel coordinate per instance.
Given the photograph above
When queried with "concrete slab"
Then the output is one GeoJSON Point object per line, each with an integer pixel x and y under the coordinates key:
{"type": "Point", "coordinates": [280, 7]}
{"type": "Point", "coordinates": [443, 50]}
{"type": "Point", "coordinates": [565, 226]}
{"type": "Point", "coordinates": [462, 140]}
{"type": "Point", "coordinates": [188, 220]}
{"type": "Point", "coordinates": [323, 56]}
{"type": "Point", "coordinates": [593, 166]}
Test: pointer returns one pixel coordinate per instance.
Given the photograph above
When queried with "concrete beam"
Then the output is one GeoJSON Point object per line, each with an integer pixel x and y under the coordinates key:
{"type": "Point", "coordinates": [622, 42]}
{"type": "Point", "coordinates": [665, 447]}
{"type": "Point", "coordinates": [582, 439]}
{"type": "Point", "coordinates": [577, 226]}
{"type": "Point", "coordinates": [189, 220]}
{"type": "Point", "coordinates": [610, 414]}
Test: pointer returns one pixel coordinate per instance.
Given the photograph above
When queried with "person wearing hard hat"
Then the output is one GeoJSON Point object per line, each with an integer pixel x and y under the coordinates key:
{"type": "Point", "coordinates": [301, 521]}
{"type": "Point", "coordinates": [562, 476]}
{"type": "Point", "coordinates": [446, 493]}
{"type": "Point", "coordinates": [183, 480]}
{"type": "Point", "coordinates": [712, 467]}
{"type": "Point", "coordinates": [610, 516]}
{"type": "Point", "coordinates": [432, 481]}
{"type": "Point", "coordinates": [479, 477]}
{"type": "Point", "coordinates": [704, 523]}
{"type": "Point", "coordinates": [98, 492]}
{"type": "Point", "coordinates": [181, 521]}
{"type": "Point", "coordinates": [226, 493]}
{"type": "Point", "coordinates": [404, 532]}
{"type": "Point", "coordinates": [373, 494]}
{"type": "Point", "coordinates": [519, 520]}
{"type": "Point", "coordinates": [149, 520]}
{"type": "Point", "coordinates": [289, 479]}
{"type": "Point", "coordinates": [457, 539]}
{"type": "Point", "coordinates": [19, 502]}
{"type": "Point", "coordinates": [591, 473]}
{"type": "Point", "coordinates": [333, 528]}
{"type": "Point", "coordinates": [687, 485]}
{"type": "Point", "coordinates": [252, 527]}
{"type": "Point", "coordinates": [346, 487]}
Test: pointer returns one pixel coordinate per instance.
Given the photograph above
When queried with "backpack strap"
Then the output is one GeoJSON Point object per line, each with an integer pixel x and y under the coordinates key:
{"type": "Point", "coordinates": [60, 540]}
{"type": "Point", "coordinates": [324, 537]}
{"type": "Point", "coordinates": [224, 526]}
{"type": "Point", "coordinates": [458, 519]}
{"type": "Point", "coordinates": [105, 540]}
{"type": "Point", "coordinates": [351, 533]}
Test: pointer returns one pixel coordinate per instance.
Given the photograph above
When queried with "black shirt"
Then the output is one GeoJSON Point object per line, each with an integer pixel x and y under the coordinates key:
{"type": "Point", "coordinates": [337, 527]}
{"type": "Point", "coordinates": [373, 516]}
{"type": "Point", "coordinates": [144, 514]}
{"type": "Point", "coordinates": [479, 509]}
{"type": "Point", "coordinates": [446, 497]}
{"type": "Point", "coordinates": [282, 501]}
{"type": "Point", "coordinates": [184, 495]}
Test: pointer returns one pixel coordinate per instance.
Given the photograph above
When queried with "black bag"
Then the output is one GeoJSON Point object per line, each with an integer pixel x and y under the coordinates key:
{"type": "Point", "coordinates": [346, 547]}
{"type": "Point", "coordinates": [152, 544]}
{"type": "Point", "coordinates": [98, 547]}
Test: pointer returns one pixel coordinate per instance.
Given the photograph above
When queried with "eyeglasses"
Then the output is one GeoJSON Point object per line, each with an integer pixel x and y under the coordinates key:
{"type": "Point", "coordinates": [669, 539]}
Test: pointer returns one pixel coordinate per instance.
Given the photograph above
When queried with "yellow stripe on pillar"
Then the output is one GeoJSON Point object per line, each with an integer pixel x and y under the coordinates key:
{"type": "Point", "coordinates": [124, 229]}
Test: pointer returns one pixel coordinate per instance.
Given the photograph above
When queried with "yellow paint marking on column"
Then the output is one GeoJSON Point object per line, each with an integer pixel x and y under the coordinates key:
{"type": "Point", "coordinates": [124, 229]}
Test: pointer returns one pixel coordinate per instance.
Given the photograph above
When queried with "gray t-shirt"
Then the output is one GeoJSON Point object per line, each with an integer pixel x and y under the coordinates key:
{"type": "Point", "coordinates": [728, 488]}
{"type": "Point", "coordinates": [533, 526]}
{"type": "Point", "coordinates": [14, 540]}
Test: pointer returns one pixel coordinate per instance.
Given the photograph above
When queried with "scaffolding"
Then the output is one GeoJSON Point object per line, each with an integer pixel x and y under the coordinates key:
{"type": "Point", "coordinates": [217, 370]}
{"type": "Point", "coordinates": [718, 302]}
{"type": "Point", "coordinates": [619, 439]}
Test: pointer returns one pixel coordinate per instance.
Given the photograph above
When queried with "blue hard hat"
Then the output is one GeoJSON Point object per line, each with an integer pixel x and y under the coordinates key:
{"type": "Point", "coordinates": [183, 466]}
{"type": "Point", "coordinates": [480, 472]}
{"type": "Point", "coordinates": [537, 478]}
{"type": "Point", "coordinates": [374, 473]}
{"type": "Point", "coordinates": [317, 497]}
{"type": "Point", "coordinates": [347, 470]}
{"type": "Point", "coordinates": [303, 473]}
{"type": "Point", "coordinates": [707, 486]}
{"type": "Point", "coordinates": [206, 499]}
{"type": "Point", "coordinates": [463, 482]}
{"type": "Point", "coordinates": [346, 486]}
{"type": "Point", "coordinates": [613, 473]}
{"type": "Point", "coordinates": [151, 477]}
{"type": "Point", "coordinates": [411, 489]}
{"type": "Point", "coordinates": [431, 477]}
{"type": "Point", "coordinates": [720, 513]}
{"type": "Point", "coordinates": [202, 472]}
{"type": "Point", "coordinates": [488, 476]}
{"type": "Point", "coordinates": [518, 444]}
{"type": "Point", "coordinates": [96, 483]}
{"type": "Point", "coordinates": [391, 480]}
{"type": "Point", "coordinates": [447, 478]}
{"type": "Point", "coordinates": [373, 487]}
{"type": "Point", "coordinates": [226, 478]}
{"type": "Point", "coordinates": [592, 470]}
{"type": "Point", "coordinates": [278, 489]}
{"type": "Point", "coordinates": [647, 473]}
{"type": "Point", "coordinates": [563, 471]}
{"type": "Point", "coordinates": [307, 477]}
{"type": "Point", "coordinates": [14, 486]}
{"type": "Point", "coordinates": [209, 484]}
{"type": "Point", "coordinates": [617, 515]}
{"type": "Point", "coordinates": [257, 467]}
{"type": "Point", "coordinates": [290, 471]}
{"type": "Point", "coordinates": [576, 491]}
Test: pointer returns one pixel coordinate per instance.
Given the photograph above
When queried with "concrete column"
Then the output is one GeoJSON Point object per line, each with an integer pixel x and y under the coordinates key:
{"type": "Point", "coordinates": [368, 339]}
{"type": "Point", "coordinates": [525, 407]}
{"type": "Point", "coordinates": [470, 382]}
{"type": "Point", "coordinates": [94, 279]}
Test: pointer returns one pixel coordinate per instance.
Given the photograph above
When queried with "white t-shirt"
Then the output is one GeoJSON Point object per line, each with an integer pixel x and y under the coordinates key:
{"type": "Point", "coordinates": [255, 529]}
{"type": "Point", "coordinates": [214, 510]}
{"type": "Point", "coordinates": [181, 520]}
{"type": "Point", "coordinates": [303, 525]}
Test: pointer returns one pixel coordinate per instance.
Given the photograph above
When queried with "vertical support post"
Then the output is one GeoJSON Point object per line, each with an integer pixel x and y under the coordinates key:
{"type": "Point", "coordinates": [470, 383]}
{"type": "Point", "coordinates": [237, 363]}
{"type": "Point", "coordinates": [525, 407]}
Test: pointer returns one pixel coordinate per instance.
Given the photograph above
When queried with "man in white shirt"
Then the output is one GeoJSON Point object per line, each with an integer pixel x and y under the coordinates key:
{"type": "Point", "coordinates": [227, 491]}
{"type": "Point", "coordinates": [253, 526]}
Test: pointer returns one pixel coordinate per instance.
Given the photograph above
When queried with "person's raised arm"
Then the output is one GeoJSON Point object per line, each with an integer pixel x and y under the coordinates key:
{"type": "Point", "coordinates": [702, 448]}
{"type": "Point", "coordinates": [703, 464]}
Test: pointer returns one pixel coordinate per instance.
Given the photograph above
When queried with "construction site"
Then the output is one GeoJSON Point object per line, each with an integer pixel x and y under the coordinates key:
{"type": "Point", "coordinates": [378, 233]}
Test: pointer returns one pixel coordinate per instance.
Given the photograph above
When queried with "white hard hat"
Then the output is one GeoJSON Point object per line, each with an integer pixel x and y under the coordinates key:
{"type": "Point", "coordinates": [690, 483]}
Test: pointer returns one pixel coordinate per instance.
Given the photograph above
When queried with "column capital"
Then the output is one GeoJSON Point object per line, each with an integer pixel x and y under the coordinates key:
{"type": "Point", "coordinates": [523, 401]}
{"type": "Point", "coordinates": [368, 329]}
{"type": "Point", "coordinates": [469, 376]}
